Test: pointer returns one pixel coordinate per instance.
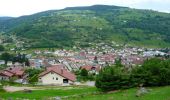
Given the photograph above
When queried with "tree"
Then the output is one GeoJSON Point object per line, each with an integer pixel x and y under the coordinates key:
{"type": "Point", "coordinates": [27, 63]}
{"type": "Point", "coordinates": [6, 56]}
{"type": "Point", "coordinates": [154, 72]}
{"type": "Point", "coordinates": [2, 48]}
{"type": "Point", "coordinates": [33, 75]}
{"type": "Point", "coordinates": [33, 79]}
{"type": "Point", "coordinates": [21, 58]}
{"type": "Point", "coordinates": [83, 75]}
{"type": "Point", "coordinates": [112, 78]}
{"type": "Point", "coordinates": [118, 62]}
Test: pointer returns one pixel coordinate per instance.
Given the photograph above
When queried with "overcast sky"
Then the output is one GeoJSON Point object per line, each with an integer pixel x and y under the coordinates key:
{"type": "Point", "coordinates": [26, 7]}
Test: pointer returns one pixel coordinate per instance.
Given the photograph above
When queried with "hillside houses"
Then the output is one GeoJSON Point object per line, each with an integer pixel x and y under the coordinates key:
{"type": "Point", "coordinates": [132, 60]}
{"type": "Point", "coordinates": [153, 53]}
{"type": "Point", "coordinates": [101, 56]}
{"type": "Point", "coordinates": [60, 63]}
{"type": "Point", "coordinates": [63, 53]}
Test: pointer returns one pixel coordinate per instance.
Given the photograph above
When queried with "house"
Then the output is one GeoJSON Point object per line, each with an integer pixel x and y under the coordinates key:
{"type": "Point", "coordinates": [168, 53]}
{"type": "Point", "coordinates": [132, 60]}
{"type": "Point", "coordinates": [36, 63]}
{"type": "Point", "coordinates": [16, 71]}
{"type": "Point", "coordinates": [11, 72]}
{"type": "Point", "coordinates": [56, 75]}
{"type": "Point", "coordinates": [91, 69]}
{"type": "Point", "coordinates": [9, 63]}
{"type": "Point", "coordinates": [1, 41]}
{"type": "Point", "coordinates": [2, 62]}
{"type": "Point", "coordinates": [5, 75]}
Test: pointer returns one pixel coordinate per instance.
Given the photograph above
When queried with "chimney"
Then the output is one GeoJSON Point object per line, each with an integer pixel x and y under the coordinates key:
{"type": "Point", "coordinates": [61, 70]}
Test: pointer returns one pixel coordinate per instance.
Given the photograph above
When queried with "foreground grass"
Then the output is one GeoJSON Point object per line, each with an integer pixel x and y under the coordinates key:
{"type": "Point", "coordinates": [160, 93]}
{"type": "Point", "coordinates": [43, 94]}
{"type": "Point", "coordinates": [90, 93]}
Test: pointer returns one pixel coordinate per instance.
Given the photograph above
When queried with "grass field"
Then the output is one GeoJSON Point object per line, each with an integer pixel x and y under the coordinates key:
{"type": "Point", "coordinates": [89, 93]}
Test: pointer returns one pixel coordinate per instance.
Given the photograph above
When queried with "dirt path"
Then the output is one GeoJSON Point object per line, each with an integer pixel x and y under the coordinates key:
{"type": "Point", "coordinates": [14, 88]}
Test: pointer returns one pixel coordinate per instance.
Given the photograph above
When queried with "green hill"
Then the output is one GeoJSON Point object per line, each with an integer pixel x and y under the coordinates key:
{"type": "Point", "coordinates": [98, 23]}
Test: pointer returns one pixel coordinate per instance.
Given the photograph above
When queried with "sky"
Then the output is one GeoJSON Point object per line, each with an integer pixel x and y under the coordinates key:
{"type": "Point", "coordinates": [15, 8]}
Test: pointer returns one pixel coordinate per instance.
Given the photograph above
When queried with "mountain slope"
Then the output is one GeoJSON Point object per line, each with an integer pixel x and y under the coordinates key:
{"type": "Point", "coordinates": [99, 23]}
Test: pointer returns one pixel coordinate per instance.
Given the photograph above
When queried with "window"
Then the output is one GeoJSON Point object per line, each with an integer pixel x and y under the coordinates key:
{"type": "Point", "coordinates": [56, 78]}
{"type": "Point", "coordinates": [53, 78]}
{"type": "Point", "coordinates": [52, 72]}
{"type": "Point", "coordinates": [65, 80]}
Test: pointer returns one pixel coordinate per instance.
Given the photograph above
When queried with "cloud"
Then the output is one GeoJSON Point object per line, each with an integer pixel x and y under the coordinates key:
{"type": "Point", "coordinates": [25, 7]}
{"type": "Point", "coordinates": [158, 5]}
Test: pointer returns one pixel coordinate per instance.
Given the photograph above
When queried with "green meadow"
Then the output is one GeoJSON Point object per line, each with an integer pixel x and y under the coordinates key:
{"type": "Point", "coordinates": [87, 93]}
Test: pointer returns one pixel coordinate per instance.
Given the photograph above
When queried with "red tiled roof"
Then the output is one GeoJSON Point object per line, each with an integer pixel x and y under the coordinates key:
{"type": "Point", "coordinates": [6, 73]}
{"type": "Point", "coordinates": [16, 70]}
{"type": "Point", "coordinates": [61, 71]}
{"type": "Point", "coordinates": [88, 67]}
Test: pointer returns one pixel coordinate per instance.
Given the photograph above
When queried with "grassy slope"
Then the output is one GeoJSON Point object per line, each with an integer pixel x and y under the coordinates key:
{"type": "Point", "coordinates": [161, 93]}
{"type": "Point", "coordinates": [87, 93]}
{"type": "Point", "coordinates": [78, 26]}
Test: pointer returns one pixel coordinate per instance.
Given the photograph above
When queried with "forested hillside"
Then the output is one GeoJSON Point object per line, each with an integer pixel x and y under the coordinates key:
{"type": "Point", "coordinates": [99, 23]}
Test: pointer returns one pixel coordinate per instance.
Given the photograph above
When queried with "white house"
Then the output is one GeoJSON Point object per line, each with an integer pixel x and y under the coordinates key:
{"type": "Point", "coordinates": [56, 75]}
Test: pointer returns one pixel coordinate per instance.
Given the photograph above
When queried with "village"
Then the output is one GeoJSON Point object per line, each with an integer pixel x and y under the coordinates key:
{"type": "Point", "coordinates": [60, 66]}
{"type": "Point", "coordinates": [84, 50]}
